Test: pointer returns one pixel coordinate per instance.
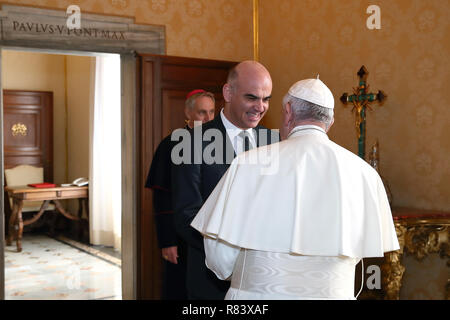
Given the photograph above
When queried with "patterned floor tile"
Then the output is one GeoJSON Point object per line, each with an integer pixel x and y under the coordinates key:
{"type": "Point", "coordinates": [50, 269]}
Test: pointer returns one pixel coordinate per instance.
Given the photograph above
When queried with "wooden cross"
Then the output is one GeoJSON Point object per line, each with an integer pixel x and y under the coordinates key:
{"type": "Point", "coordinates": [361, 99]}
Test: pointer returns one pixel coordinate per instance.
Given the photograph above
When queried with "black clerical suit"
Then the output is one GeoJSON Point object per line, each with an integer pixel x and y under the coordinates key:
{"type": "Point", "coordinates": [159, 180]}
{"type": "Point", "coordinates": [192, 184]}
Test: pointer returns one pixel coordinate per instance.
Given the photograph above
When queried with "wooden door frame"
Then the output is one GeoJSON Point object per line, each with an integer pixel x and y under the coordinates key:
{"type": "Point", "coordinates": [2, 202]}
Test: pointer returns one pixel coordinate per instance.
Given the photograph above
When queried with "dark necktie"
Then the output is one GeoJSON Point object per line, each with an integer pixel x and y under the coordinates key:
{"type": "Point", "coordinates": [245, 136]}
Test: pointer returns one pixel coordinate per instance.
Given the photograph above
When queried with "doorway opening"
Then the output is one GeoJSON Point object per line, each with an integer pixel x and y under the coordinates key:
{"type": "Point", "coordinates": [81, 259]}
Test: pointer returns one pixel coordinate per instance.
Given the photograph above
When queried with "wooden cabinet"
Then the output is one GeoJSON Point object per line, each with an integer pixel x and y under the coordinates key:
{"type": "Point", "coordinates": [28, 129]}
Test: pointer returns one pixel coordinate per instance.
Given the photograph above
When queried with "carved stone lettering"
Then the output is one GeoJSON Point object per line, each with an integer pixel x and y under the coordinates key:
{"type": "Point", "coordinates": [33, 27]}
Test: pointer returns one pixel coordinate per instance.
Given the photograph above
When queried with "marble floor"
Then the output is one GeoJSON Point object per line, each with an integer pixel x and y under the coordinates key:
{"type": "Point", "coordinates": [50, 269]}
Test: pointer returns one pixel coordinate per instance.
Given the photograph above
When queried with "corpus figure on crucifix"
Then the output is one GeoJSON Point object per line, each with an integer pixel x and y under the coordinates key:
{"type": "Point", "coordinates": [361, 99]}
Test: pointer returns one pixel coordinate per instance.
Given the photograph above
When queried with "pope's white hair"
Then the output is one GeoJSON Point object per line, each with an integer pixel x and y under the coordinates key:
{"type": "Point", "coordinates": [305, 110]}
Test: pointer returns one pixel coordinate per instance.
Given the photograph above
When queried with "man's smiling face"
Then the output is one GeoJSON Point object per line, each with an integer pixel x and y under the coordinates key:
{"type": "Point", "coordinates": [248, 96]}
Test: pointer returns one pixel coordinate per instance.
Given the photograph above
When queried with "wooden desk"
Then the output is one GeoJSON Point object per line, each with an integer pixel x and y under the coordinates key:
{"type": "Point", "coordinates": [19, 194]}
{"type": "Point", "coordinates": [419, 232]}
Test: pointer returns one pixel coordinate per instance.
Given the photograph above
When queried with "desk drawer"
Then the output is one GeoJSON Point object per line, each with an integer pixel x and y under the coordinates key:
{"type": "Point", "coordinates": [54, 195]}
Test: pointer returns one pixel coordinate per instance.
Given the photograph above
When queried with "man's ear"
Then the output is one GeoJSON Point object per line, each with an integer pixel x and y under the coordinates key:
{"type": "Point", "coordinates": [187, 113]}
{"type": "Point", "coordinates": [289, 114]}
{"type": "Point", "coordinates": [331, 124]}
{"type": "Point", "coordinates": [226, 90]}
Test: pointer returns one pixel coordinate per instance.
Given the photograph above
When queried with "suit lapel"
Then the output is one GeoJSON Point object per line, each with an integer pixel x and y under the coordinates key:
{"type": "Point", "coordinates": [227, 145]}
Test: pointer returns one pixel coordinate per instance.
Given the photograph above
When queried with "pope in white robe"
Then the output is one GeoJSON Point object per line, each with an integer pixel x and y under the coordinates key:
{"type": "Point", "coordinates": [291, 220]}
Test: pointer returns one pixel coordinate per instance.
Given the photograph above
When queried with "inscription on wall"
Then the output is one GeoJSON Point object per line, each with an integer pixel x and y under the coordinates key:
{"type": "Point", "coordinates": [33, 27]}
{"type": "Point", "coordinates": [61, 29]}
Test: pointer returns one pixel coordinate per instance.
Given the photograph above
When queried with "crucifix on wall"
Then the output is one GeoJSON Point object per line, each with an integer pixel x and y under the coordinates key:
{"type": "Point", "coordinates": [361, 100]}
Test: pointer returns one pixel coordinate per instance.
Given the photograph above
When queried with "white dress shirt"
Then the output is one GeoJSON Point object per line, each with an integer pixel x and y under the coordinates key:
{"type": "Point", "coordinates": [233, 133]}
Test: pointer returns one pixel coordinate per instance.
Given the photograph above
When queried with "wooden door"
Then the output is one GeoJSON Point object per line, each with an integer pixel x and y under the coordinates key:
{"type": "Point", "coordinates": [28, 129]}
{"type": "Point", "coordinates": [165, 82]}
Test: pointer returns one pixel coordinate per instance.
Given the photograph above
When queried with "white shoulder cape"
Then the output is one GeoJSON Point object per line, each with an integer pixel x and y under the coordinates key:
{"type": "Point", "coordinates": [320, 200]}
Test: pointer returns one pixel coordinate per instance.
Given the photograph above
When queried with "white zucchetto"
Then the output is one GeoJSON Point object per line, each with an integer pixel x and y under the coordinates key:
{"type": "Point", "coordinates": [313, 90]}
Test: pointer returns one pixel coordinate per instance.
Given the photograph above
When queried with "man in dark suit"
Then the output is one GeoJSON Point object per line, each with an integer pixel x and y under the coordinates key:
{"type": "Point", "coordinates": [246, 94]}
{"type": "Point", "coordinates": [200, 107]}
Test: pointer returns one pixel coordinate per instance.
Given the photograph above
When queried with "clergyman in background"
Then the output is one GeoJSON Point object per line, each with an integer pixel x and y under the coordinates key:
{"type": "Point", "coordinates": [199, 107]}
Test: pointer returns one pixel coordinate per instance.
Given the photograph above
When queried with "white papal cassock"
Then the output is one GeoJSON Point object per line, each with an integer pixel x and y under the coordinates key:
{"type": "Point", "coordinates": [296, 230]}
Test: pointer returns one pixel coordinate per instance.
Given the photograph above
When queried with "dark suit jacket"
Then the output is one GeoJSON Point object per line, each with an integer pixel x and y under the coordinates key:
{"type": "Point", "coordinates": [192, 184]}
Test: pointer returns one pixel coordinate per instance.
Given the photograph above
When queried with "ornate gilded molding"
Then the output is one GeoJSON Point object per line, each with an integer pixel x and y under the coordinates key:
{"type": "Point", "coordinates": [392, 268]}
{"type": "Point", "coordinates": [419, 238]}
{"type": "Point", "coordinates": [422, 240]}
{"type": "Point", "coordinates": [19, 129]}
